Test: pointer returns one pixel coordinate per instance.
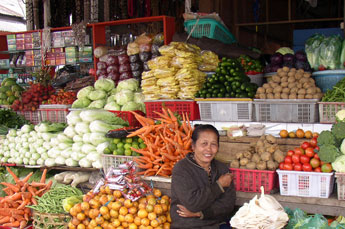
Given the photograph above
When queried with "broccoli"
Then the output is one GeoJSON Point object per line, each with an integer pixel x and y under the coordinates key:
{"type": "Point", "coordinates": [326, 138]}
{"type": "Point", "coordinates": [338, 130]}
{"type": "Point", "coordinates": [328, 153]}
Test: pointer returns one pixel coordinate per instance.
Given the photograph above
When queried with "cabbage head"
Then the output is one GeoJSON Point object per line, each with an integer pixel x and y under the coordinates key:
{"type": "Point", "coordinates": [111, 98]}
{"type": "Point", "coordinates": [113, 106]}
{"type": "Point", "coordinates": [83, 93]}
{"type": "Point", "coordinates": [81, 103]}
{"type": "Point", "coordinates": [97, 104]}
{"type": "Point", "coordinates": [131, 106]}
{"type": "Point", "coordinates": [104, 84]}
{"type": "Point", "coordinates": [139, 97]}
{"type": "Point", "coordinates": [97, 95]}
{"type": "Point", "coordinates": [129, 84]}
{"type": "Point", "coordinates": [124, 97]}
{"type": "Point", "coordinates": [285, 50]}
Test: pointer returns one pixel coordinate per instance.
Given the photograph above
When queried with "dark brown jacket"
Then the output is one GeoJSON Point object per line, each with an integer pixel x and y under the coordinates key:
{"type": "Point", "coordinates": [191, 188]}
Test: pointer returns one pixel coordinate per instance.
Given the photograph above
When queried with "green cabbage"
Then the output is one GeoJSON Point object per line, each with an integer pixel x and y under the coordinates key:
{"type": "Point", "coordinates": [97, 95]}
{"type": "Point", "coordinates": [113, 106]}
{"type": "Point", "coordinates": [98, 104]}
{"type": "Point", "coordinates": [312, 49]}
{"type": "Point", "coordinates": [131, 106]}
{"type": "Point", "coordinates": [99, 126]}
{"type": "Point", "coordinates": [124, 97]}
{"type": "Point", "coordinates": [130, 84]}
{"type": "Point", "coordinates": [111, 98]}
{"type": "Point", "coordinates": [81, 103]}
{"type": "Point", "coordinates": [98, 138]}
{"type": "Point", "coordinates": [285, 50]}
{"type": "Point", "coordinates": [339, 164]}
{"type": "Point", "coordinates": [105, 116]}
{"type": "Point", "coordinates": [84, 93]}
{"type": "Point", "coordinates": [330, 50]}
{"type": "Point", "coordinates": [104, 84]}
{"type": "Point", "coordinates": [139, 97]}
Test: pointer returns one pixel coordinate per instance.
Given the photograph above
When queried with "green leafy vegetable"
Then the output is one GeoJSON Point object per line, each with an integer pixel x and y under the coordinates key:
{"type": "Point", "coordinates": [328, 153]}
{"type": "Point", "coordinates": [11, 119]}
{"type": "Point", "coordinates": [338, 130]}
{"type": "Point", "coordinates": [326, 138]}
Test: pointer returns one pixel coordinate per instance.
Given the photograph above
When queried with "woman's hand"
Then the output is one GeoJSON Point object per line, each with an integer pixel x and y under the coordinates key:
{"type": "Point", "coordinates": [184, 212]}
{"type": "Point", "coordinates": [225, 179]}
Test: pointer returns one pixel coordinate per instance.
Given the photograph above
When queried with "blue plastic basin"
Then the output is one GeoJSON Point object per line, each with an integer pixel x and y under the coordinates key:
{"type": "Point", "coordinates": [325, 80]}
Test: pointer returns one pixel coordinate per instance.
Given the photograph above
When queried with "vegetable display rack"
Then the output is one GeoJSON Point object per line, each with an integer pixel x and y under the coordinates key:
{"type": "Point", "coordinates": [50, 220]}
{"type": "Point", "coordinates": [306, 184]}
{"type": "Point", "coordinates": [247, 180]}
{"type": "Point", "coordinates": [188, 107]}
{"type": "Point", "coordinates": [109, 160]}
{"type": "Point", "coordinates": [340, 185]}
{"type": "Point", "coordinates": [53, 112]}
{"type": "Point", "coordinates": [31, 116]}
{"type": "Point", "coordinates": [327, 111]}
{"type": "Point", "coordinates": [225, 109]}
{"type": "Point", "coordinates": [286, 110]}
{"type": "Point", "coordinates": [129, 117]}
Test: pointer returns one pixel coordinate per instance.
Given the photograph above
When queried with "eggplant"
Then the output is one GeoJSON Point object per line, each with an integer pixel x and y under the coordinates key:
{"type": "Point", "coordinates": [277, 59]}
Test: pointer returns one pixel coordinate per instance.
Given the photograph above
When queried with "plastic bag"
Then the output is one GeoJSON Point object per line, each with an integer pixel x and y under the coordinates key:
{"type": "Point", "coordinates": [158, 39]}
{"type": "Point", "coordinates": [112, 60]}
{"type": "Point", "coordinates": [144, 39]}
{"type": "Point", "coordinates": [145, 48]}
{"type": "Point", "coordinates": [145, 56]}
{"type": "Point", "coordinates": [134, 58]}
{"type": "Point", "coordinates": [101, 65]}
{"type": "Point", "coordinates": [150, 89]}
{"type": "Point", "coordinates": [159, 62]}
{"type": "Point", "coordinates": [167, 81]}
{"type": "Point", "coordinates": [101, 72]}
{"type": "Point", "coordinates": [299, 219]}
{"type": "Point", "coordinates": [124, 68]}
{"type": "Point", "coordinates": [167, 50]}
{"type": "Point", "coordinates": [136, 66]}
{"type": "Point", "coordinates": [312, 49]}
{"type": "Point", "coordinates": [115, 76]}
{"type": "Point", "coordinates": [126, 75]}
{"type": "Point", "coordinates": [164, 72]}
{"type": "Point", "coordinates": [209, 57]}
{"type": "Point", "coordinates": [148, 75]}
{"type": "Point", "coordinates": [148, 82]}
{"type": "Point", "coordinates": [155, 50]}
{"type": "Point", "coordinates": [113, 69]}
{"type": "Point", "coordinates": [123, 59]}
{"type": "Point", "coordinates": [330, 50]}
{"type": "Point", "coordinates": [132, 48]}
{"type": "Point", "coordinates": [149, 97]}
{"type": "Point", "coordinates": [146, 67]}
{"type": "Point", "coordinates": [137, 74]}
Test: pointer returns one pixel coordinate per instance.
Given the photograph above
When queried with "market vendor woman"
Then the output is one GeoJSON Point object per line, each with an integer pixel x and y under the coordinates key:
{"type": "Point", "coordinates": [202, 192]}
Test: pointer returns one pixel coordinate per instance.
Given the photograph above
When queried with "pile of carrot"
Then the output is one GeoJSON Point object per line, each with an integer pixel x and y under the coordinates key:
{"type": "Point", "coordinates": [13, 207]}
{"type": "Point", "coordinates": [167, 141]}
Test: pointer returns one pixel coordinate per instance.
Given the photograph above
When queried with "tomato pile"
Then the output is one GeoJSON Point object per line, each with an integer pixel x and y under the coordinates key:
{"type": "Point", "coordinates": [62, 97]}
{"type": "Point", "coordinates": [304, 158]}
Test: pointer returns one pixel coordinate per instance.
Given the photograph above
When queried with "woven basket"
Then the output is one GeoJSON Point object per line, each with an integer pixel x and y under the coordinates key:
{"type": "Point", "coordinates": [50, 220]}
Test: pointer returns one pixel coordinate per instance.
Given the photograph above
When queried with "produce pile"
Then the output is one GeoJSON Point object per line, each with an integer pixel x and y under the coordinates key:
{"type": "Point", "coordinates": [9, 91]}
{"type": "Point", "coordinates": [325, 52]}
{"type": "Point", "coordinates": [299, 133]}
{"type": "Point", "coordinates": [306, 158]}
{"type": "Point", "coordinates": [250, 65]}
{"type": "Point", "coordinates": [61, 97]}
{"type": "Point", "coordinates": [125, 97]}
{"type": "Point", "coordinates": [14, 207]}
{"type": "Point", "coordinates": [122, 146]}
{"type": "Point", "coordinates": [337, 94]}
{"type": "Point", "coordinates": [9, 120]}
{"type": "Point", "coordinates": [263, 155]}
{"type": "Point", "coordinates": [289, 83]}
{"type": "Point", "coordinates": [285, 57]}
{"type": "Point", "coordinates": [230, 81]}
{"type": "Point", "coordinates": [175, 74]}
{"type": "Point", "coordinates": [263, 212]}
{"type": "Point", "coordinates": [167, 142]}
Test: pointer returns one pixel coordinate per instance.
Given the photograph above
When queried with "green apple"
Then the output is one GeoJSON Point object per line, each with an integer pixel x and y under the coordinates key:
{"type": "Point", "coordinates": [135, 146]}
{"type": "Point", "coordinates": [142, 146]}
{"type": "Point", "coordinates": [112, 146]}
{"type": "Point", "coordinates": [107, 151]}
{"type": "Point", "coordinates": [140, 140]}
{"type": "Point", "coordinates": [116, 140]}
{"type": "Point", "coordinates": [119, 145]}
{"type": "Point", "coordinates": [129, 140]}
{"type": "Point", "coordinates": [127, 146]}
{"type": "Point", "coordinates": [128, 152]}
{"type": "Point", "coordinates": [123, 140]}
{"type": "Point", "coordinates": [120, 151]}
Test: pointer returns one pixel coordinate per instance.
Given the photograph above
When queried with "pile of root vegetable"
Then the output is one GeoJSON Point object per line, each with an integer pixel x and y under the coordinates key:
{"type": "Point", "coordinates": [262, 155]}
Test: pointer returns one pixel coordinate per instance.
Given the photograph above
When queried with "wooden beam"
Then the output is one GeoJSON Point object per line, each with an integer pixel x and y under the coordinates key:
{"type": "Point", "coordinates": [47, 15]}
{"type": "Point", "coordinates": [290, 21]}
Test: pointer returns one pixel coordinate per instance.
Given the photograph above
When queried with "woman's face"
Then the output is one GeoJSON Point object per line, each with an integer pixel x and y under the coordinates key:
{"type": "Point", "coordinates": [206, 147]}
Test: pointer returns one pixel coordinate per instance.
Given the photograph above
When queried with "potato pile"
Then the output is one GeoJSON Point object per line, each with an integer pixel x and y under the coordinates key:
{"type": "Point", "coordinates": [289, 83]}
{"type": "Point", "coordinates": [262, 155]}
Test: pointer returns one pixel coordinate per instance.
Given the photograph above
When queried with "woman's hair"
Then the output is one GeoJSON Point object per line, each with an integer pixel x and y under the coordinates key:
{"type": "Point", "coordinates": [203, 128]}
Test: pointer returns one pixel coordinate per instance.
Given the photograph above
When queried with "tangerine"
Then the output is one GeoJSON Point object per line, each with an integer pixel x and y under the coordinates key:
{"type": "Point", "coordinates": [300, 133]}
{"type": "Point", "coordinates": [308, 134]}
{"type": "Point", "coordinates": [283, 133]}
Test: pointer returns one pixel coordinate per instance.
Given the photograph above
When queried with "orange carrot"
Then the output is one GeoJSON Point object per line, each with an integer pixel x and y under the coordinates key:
{"type": "Point", "coordinates": [32, 190]}
{"type": "Point", "coordinates": [36, 184]}
{"type": "Point", "coordinates": [23, 223]}
{"type": "Point", "coordinates": [23, 204]}
{"type": "Point", "coordinates": [34, 201]}
{"type": "Point", "coordinates": [4, 219]}
{"type": "Point", "coordinates": [13, 197]}
{"type": "Point", "coordinates": [11, 186]}
{"type": "Point", "coordinates": [16, 179]}
{"type": "Point", "coordinates": [26, 179]}
{"type": "Point", "coordinates": [12, 224]}
{"type": "Point", "coordinates": [43, 177]}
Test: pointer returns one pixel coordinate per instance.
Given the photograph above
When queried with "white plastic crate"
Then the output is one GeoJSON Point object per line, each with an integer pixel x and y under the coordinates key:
{"type": "Point", "coordinates": [225, 109]}
{"type": "Point", "coordinates": [306, 184]}
{"type": "Point", "coordinates": [31, 116]}
{"type": "Point", "coordinates": [286, 110]}
{"type": "Point", "coordinates": [109, 160]}
{"type": "Point", "coordinates": [327, 111]}
{"type": "Point", "coordinates": [340, 185]}
{"type": "Point", "coordinates": [53, 112]}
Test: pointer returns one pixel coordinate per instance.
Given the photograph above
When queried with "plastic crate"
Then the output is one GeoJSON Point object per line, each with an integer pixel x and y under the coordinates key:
{"type": "Point", "coordinates": [225, 109]}
{"type": "Point", "coordinates": [31, 116]}
{"type": "Point", "coordinates": [327, 111]}
{"type": "Point", "coordinates": [109, 160]}
{"type": "Point", "coordinates": [286, 110]}
{"type": "Point", "coordinates": [247, 180]}
{"type": "Point", "coordinates": [325, 80]}
{"type": "Point", "coordinates": [210, 28]}
{"type": "Point", "coordinates": [258, 79]}
{"type": "Point", "coordinates": [53, 112]}
{"type": "Point", "coordinates": [306, 184]}
{"type": "Point", "coordinates": [180, 106]}
{"type": "Point", "coordinates": [128, 116]}
{"type": "Point", "coordinates": [340, 185]}
{"type": "Point", "coordinates": [50, 220]}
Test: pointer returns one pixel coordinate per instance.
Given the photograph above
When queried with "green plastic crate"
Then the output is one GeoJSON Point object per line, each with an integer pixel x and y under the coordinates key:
{"type": "Point", "coordinates": [210, 28]}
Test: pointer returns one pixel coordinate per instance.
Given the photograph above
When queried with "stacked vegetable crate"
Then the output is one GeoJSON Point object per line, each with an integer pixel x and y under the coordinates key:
{"type": "Point", "coordinates": [340, 185]}
{"type": "Point", "coordinates": [53, 112]}
{"type": "Point", "coordinates": [328, 110]}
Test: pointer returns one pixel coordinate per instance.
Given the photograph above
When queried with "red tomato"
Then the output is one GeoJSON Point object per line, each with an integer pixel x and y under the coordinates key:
{"type": "Point", "coordinates": [317, 148]}
{"type": "Point", "coordinates": [297, 167]}
{"type": "Point", "coordinates": [290, 153]}
{"type": "Point", "coordinates": [318, 169]}
{"type": "Point", "coordinates": [313, 142]}
{"type": "Point", "coordinates": [288, 160]}
{"type": "Point", "coordinates": [326, 168]}
{"type": "Point", "coordinates": [321, 162]}
{"type": "Point", "coordinates": [305, 145]}
{"type": "Point", "coordinates": [288, 166]}
{"type": "Point", "coordinates": [315, 163]}
{"type": "Point", "coordinates": [304, 159]}
{"type": "Point", "coordinates": [309, 152]}
{"type": "Point", "coordinates": [316, 156]}
{"type": "Point", "coordinates": [281, 165]}
{"type": "Point", "coordinates": [307, 167]}
{"type": "Point", "coordinates": [299, 151]}
{"type": "Point", "coordinates": [295, 158]}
